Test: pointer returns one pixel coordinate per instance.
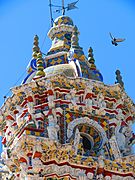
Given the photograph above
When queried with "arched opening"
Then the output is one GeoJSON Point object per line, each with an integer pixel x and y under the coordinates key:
{"type": "Point", "coordinates": [87, 142]}
{"type": "Point", "coordinates": [90, 138]}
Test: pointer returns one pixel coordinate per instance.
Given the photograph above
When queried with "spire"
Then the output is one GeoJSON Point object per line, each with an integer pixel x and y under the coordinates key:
{"type": "Point", "coordinates": [75, 39]}
{"type": "Point", "coordinates": [119, 78]}
{"type": "Point", "coordinates": [40, 65]}
{"type": "Point", "coordinates": [38, 56]}
{"type": "Point", "coordinates": [35, 48]}
{"type": "Point", "coordinates": [91, 59]}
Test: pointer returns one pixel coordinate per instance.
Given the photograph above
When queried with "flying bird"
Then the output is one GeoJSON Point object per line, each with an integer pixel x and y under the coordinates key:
{"type": "Point", "coordinates": [115, 41]}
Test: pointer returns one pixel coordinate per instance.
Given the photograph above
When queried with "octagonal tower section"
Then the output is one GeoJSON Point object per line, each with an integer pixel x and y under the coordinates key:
{"type": "Point", "coordinates": [63, 121]}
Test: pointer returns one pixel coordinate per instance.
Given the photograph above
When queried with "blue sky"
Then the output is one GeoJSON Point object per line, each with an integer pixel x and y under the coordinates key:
{"type": "Point", "coordinates": [21, 20]}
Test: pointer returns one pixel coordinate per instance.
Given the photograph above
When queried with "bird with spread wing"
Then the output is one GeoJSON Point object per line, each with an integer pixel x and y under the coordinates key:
{"type": "Point", "coordinates": [115, 41]}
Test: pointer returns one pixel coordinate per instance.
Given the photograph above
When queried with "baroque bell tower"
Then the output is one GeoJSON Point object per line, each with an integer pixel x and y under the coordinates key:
{"type": "Point", "coordinates": [63, 122]}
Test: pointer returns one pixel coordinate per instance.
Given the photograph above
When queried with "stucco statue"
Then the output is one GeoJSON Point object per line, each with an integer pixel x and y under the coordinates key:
{"type": "Point", "coordinates": [24, 168]}
{"type": "Point", "coordinates": [37, 147]}
{"type": "Point", "coordinates": [107, 178]}
{"type": "Point", "coordinates": [120, 115]}
{"type": "Point", "coordinates": [76, 140]}
{"type": "Point", "coordinates": [87, 98]}
{"type": "Point", "coordinates": [120, 138]}
{"type": "Point", "coordinates": [101, 161]}
{"type": "Point", "coordinates": [73, 96]}
{"type": "Point", "coordinates": [9, 130]}
{"type": "Point", "coordinates": [19, 111]}
{"type": "Point", "coordinates": [30, 106]}
{"type": "Point", "coordinates": [90, 176]}
{"type": "Point", "coordinates": [82, 175]}
{"type": "Point", "coordinates": [50, 97]}
{"type": "Point", "coordinates": [101, 101]}
{"type": "Point", "coordinates": [30, 101]}
{"type": "Point", "coordinates": [100, 177]}
{"type": "Point", "coordinates": [1, 116]}
{"type": "Point", "coordinates": [53, 128]}
{"type": "Point", "coordinates": [123, 135]}
{"type": "Point", "coordinates": [37, 164]}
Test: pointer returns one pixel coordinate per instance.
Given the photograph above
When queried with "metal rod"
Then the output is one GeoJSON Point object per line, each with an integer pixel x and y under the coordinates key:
{"type": "Point", "coordinates": [63, 8]}
{"type": "Point", "coordinates": [51, 13]}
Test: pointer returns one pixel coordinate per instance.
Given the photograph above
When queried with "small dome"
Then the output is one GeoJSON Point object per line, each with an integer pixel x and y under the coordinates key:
{"type": "Point", "coordinates": [97, 75]}
{"type": "Point", "coordinates": [63, 20]}
{"type": "Point", "coordinates": [67, 69]}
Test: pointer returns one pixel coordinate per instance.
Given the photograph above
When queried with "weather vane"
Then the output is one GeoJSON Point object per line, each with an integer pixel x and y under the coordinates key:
{"type": "Point", "coordinates": [62, 8]}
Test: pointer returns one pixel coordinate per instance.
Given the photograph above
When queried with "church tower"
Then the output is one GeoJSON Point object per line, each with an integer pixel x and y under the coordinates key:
{"type": "Point", "coordinates": [63, 122]}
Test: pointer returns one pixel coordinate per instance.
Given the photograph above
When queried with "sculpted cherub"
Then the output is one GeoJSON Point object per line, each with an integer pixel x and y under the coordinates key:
{"type": "Point", "coordinates": [87, 98]}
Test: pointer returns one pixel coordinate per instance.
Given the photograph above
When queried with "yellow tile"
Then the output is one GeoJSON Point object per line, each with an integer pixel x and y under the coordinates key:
{"type": "Point", "coordinates": [68, 121]}
{"type": "Point", "coordinates": [37, 133]}
{"type": "Point", "coordinates": [104, 123]}
{"type": "Point", "coordinates": [67, 116]}
{"type": "Point", "coordinates": [27, 132]}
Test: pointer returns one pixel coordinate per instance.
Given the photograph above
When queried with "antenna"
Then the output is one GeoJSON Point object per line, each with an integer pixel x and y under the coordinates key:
{"type": "Point", "coordinates": [63, 8]}
{"type": "Point", "coordinates": [51, 18]}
